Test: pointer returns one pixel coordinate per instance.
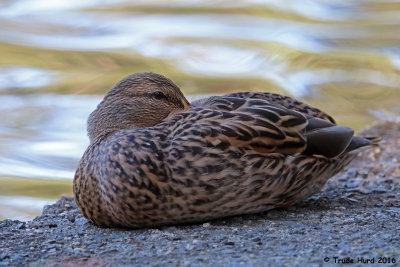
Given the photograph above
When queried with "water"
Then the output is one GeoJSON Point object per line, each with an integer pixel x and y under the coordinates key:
{"type": "Point", "coordinates": [57, 59]}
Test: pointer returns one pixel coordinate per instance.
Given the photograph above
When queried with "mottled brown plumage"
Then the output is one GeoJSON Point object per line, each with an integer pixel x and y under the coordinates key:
{"type": "Point", "coordinates": [154, 161]}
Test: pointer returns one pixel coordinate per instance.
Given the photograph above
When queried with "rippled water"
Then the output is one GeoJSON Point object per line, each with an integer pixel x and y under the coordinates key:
{"type": "Point", "coordinates": [58, 57]}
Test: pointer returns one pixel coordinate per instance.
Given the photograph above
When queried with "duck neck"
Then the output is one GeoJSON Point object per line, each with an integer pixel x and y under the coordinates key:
{"type": "Point", "coordinates": [101, 122]}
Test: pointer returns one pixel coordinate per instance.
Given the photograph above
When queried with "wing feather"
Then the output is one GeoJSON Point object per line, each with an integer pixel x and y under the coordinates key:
{"type": "Point", "coordinates": [285, 101]}
{"type": "Point", "coordinates": [241, 122]}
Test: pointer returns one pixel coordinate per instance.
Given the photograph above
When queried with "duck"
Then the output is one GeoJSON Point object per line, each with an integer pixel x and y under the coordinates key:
{"type": "Point", "coordinates": [154, 159]}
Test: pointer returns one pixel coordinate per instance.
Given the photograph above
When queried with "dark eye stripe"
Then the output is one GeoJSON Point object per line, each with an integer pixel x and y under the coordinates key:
{"type": "Point", "coordinates": [159, 95]}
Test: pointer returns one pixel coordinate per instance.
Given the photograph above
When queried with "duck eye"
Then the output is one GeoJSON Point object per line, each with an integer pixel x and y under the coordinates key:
{"type": "Point", "coordinates": [158, 95]}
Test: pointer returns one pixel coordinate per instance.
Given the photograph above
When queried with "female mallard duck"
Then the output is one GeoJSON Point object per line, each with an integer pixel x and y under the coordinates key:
{"type": "Point", "coordinates": [154, 159]}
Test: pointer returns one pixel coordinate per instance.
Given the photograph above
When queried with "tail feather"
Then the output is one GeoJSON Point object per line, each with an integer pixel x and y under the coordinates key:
{"type": "Point", "coordinates": [327, 139]}
{"type": "Point", "coordinates": [316, 123]}
{"type": "Point", "coordinates": [358, 142]}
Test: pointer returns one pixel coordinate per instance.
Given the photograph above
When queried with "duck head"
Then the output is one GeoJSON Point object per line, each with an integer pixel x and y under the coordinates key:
{"type": "Point", "coordinates": [139, 100]}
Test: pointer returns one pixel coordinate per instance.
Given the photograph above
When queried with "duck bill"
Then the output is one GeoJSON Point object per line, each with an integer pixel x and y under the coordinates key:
{"type": "Point", "coordinates": [186, 104]}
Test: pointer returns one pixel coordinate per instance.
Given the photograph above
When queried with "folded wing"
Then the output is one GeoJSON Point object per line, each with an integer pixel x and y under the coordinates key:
{"type": "Point", "coordinates": [270, 123]}
{"type": "Point", "coordinates": [226, 122]}
{"type": "Point", "coordinates": [286, 102]}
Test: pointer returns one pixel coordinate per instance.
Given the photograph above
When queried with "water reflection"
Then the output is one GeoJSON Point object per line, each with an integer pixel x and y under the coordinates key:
{"type": "Point", "coordinates": [20, 207]}
{"type": "Point", "coordinates": [42, 135]}
{"type": "Point", "coordinates": [57, 58]}
{"type": "Point", "coordinates": [17, 77]}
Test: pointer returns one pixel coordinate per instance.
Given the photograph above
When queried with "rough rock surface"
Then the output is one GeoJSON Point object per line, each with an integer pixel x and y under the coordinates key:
{"type": "Point", "coordinates": [355, 218]}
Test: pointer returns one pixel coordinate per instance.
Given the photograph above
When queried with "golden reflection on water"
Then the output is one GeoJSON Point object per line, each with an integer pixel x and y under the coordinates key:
{"type": "Point", "coordinates": [24, 198]}
{"type": "Point", "coordinates": [55, 59]}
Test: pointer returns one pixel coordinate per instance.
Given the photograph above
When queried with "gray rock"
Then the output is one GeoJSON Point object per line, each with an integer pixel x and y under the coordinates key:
{"type": "Point", "coordinates": [343, 246]}
{"type": "Point", "coordinates": [352, 184]}
{"type": "Point", "coordinates": [351, 173]}
{"type": "Point", "coordinates": [81, 221]}
{"type": "Point", "coordinates": [94, 245]}
{"type": "Point", "coordinates": [21, 225]}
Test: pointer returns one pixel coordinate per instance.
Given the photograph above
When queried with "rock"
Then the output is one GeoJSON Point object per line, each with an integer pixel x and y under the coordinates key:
{"type": "Point", "coordinates": [81, 221]}
{"type": "Point", "coordinates": [94, 245]}
{"type": "Point", "coordinates": [351, 173]}
{"type": "Point", "coordinates": [108, 251]}
{"type": "Point", "coordinates": [394, 210]}
{"type": "Point", "coordinates": [21, 225]}
{"type": "Point", "coordinates": [352, 184]}
{"type": "Point", "coordinates": [229, 243]}
{"type": "Point", "coordinates": [343, 246]}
